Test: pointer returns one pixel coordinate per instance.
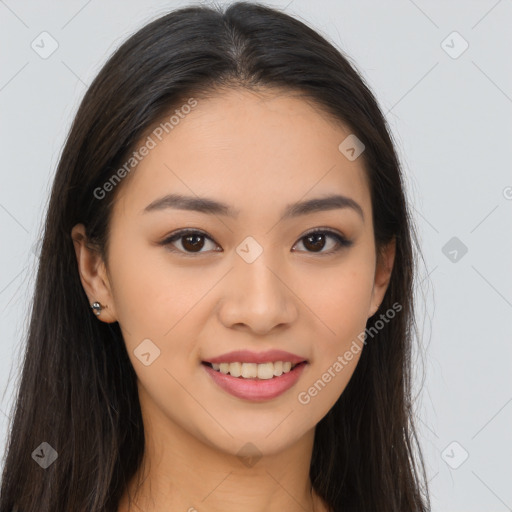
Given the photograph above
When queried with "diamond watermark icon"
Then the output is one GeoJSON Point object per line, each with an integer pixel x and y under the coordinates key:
{"type": "Point", "coordinates": [454, 45]}
{"type": "Point", "coordinates": [249, 249]}
{"type": "Point", "coordinates": [146, 352]}
{"type": "Point", "coordinates": [44, 45]}
{"type": "Point", "coordinates": [351, 147]}
{"type": "Point", "coordinates": [454, 455]}
{"type": "Point", "coordinates": [454, 249]}
{"type": "Point", "coordinates": [45, 455]}
{"type": "Point", "coordinates": [249, 454]}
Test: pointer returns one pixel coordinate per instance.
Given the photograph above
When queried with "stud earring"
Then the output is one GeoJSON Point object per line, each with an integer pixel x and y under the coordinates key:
{"type": "Point", "coordinates": [96, 307]}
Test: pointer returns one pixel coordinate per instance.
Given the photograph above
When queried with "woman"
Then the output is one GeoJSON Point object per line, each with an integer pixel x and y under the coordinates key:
{"type": "Point", "coordinates": [223, 309]}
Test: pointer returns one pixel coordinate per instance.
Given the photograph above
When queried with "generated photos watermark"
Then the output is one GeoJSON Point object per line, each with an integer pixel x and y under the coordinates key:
{"type": "Point", "coordinates": [150, 143]}
{"type": "Point", "coordinates": [304, 397]}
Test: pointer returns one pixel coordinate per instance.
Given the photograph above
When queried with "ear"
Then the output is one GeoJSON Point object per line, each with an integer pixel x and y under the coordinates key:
{"type": "Point", "coordinates": [93, 274]}
{"type": "Point", "coordinates": [384, 267]}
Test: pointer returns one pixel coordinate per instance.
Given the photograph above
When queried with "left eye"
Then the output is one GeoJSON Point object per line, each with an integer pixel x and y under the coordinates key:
{"type": "Point", "coordinates": [317, 238]}
{"type": "Point", "coordinates": [193, 241]}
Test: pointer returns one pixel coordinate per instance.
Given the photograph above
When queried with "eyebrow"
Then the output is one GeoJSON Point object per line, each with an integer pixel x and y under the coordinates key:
{"type": "Point", "coordinates": [213, 207]}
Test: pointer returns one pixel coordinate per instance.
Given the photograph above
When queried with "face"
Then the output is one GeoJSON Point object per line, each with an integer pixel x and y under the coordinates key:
{"type": "Point", "coordinates": [249, 275]}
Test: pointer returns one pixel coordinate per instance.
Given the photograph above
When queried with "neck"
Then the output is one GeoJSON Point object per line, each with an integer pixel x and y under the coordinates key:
{"type": "Point", "coordinates": [181, 472]}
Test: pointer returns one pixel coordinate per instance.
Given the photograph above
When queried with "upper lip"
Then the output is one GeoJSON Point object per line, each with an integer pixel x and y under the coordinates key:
{"type": "Point", "coordinates": [246, 356]}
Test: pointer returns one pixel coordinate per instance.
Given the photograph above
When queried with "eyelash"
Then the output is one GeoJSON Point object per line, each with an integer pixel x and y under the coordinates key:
{"type": "Point", "coordinates": [342, 242]}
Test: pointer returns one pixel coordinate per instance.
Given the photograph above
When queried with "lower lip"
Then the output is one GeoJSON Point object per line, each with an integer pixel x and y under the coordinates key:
{"type": "Point", "coordinates": [256, 389]}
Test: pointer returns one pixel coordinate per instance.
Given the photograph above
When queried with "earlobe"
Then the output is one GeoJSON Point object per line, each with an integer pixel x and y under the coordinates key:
{"type": "Point", "coordinates": [383, 271]}
{"type": "Point", "coordinates": [93, 276]}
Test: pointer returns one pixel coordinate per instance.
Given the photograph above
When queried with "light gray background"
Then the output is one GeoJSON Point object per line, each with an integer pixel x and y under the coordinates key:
{"type": "Point", "coordinates": [451, 118]}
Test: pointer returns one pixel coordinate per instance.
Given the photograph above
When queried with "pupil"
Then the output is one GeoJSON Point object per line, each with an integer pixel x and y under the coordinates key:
{"type": "Point", "coordinates": [318, 237]}
{"type": "Point", "coordinates": [194, 245]}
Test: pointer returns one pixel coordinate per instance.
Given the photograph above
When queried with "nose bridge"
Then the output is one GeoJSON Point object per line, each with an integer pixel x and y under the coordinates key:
{"type": "Point", "coordinates": [256, 294]}
{"type": "Point", "coordinates": [257, 280]}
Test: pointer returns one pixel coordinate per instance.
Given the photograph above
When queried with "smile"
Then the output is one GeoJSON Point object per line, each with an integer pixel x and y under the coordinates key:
{"type": "Point", "coordinates": [253, 370]}
{"type": "Point", "coordinates": [255, 388]}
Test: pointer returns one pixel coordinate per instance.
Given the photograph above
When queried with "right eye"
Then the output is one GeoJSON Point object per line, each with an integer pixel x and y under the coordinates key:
{"type": "Point", "coordinates": [192, 241]}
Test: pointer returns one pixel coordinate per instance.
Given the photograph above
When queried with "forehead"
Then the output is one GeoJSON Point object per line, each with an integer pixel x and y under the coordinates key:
{"type": "Point", "coordinates": [252, 150]}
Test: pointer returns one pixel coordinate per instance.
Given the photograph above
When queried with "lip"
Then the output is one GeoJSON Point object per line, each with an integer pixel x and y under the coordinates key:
{"type": "Point", "coordinates": [256, 390]}
{"type": "Point", "coordinates": [246, 356]}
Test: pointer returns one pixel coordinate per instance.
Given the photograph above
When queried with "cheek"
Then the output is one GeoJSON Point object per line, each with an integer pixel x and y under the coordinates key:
{"type": "Point", "coordinates": [340, 297]}
{"type": "Point", "coordinates": [161, 307]}
{"type": "Point", "coordinates": [156, 305]}
{"type": "Point", "coordinates": [342, 303]}
{"type": "Point", "coordinates": [134, 286]}
{"type": "Point", "coordinates": [142, 290]}
{"type": "Point", "coordinates": [342, 306]}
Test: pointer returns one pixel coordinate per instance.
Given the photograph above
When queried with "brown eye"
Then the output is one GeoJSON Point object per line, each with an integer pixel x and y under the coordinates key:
{"type": "Point", "coordinates": [191, 242]}
{"type": "Point", "coordinates": [315, 241]}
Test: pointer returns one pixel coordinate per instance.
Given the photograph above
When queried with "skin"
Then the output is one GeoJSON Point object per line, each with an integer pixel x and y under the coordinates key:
{"type": "Point", "coordinates": [257, 152]}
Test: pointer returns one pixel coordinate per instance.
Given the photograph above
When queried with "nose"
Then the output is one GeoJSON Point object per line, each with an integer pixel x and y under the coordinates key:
{"type": "Point", "coordinates": [257, 297]}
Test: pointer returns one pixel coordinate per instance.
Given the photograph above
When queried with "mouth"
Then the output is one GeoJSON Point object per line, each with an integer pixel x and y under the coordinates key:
{"type": "Point", "coordinates": [254, 371]}
{"type": "Point", "coordinates": [255, 382]}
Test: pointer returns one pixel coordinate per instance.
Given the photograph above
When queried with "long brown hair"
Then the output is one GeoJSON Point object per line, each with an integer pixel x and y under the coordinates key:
{"type": "Point", "coordinates": [78, 388]}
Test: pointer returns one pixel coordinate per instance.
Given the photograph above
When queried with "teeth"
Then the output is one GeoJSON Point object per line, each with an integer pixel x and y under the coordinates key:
{"type": "Point", "coordinates": [253, 370]}
{"type": "Point", "coordinates": [235, 369]}
{"type": "Point", "coordinates": [249, 370]}
{"type": "Point", "coordinates": [265, 370]}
